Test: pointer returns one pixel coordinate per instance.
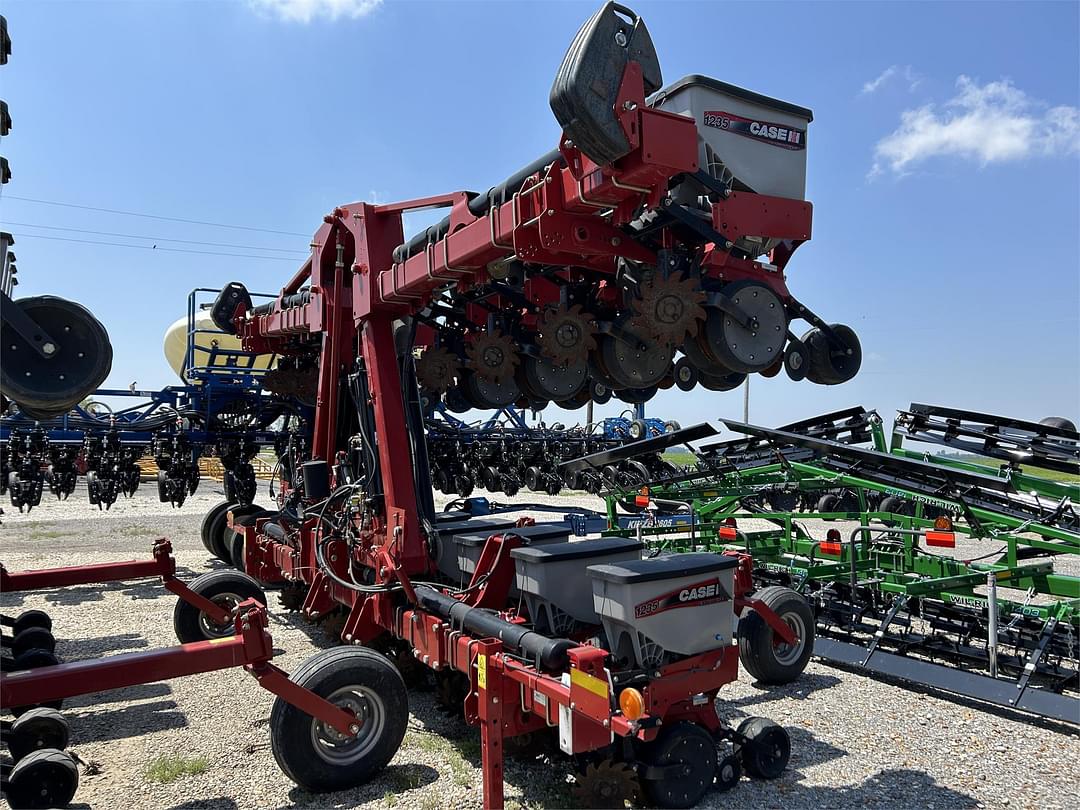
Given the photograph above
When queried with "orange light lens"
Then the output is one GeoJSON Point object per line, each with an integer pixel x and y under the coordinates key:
{"type": "Point", "coordinates": [833, 535]}
{"type": "Point", "coordinates": [943, 523]}
{"type": "Point", "coordinates": [631, 703]}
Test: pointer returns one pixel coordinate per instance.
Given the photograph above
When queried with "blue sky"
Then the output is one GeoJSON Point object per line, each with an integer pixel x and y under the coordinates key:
{"type": "Point", "coordinates": [943, 162]}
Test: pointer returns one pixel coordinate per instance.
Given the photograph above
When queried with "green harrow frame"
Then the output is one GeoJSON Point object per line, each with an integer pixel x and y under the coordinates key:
{"type": "Point", "coordinates": [996, 623]}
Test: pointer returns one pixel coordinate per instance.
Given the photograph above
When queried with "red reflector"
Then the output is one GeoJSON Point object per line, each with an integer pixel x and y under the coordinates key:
{"type": "Point", "coordinates": [832, 548]}
{"type": "Point", "coordinates": [728, 532]}
{"type": "Point", "coordinates": [941, 539]}
{"type": "Point", "coordinates": [641, 500]}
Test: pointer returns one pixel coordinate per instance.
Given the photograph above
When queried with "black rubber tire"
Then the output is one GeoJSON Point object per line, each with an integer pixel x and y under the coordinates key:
{"type": "Point", "coordinates": [235, 540]}
{"type": "Point", "coordinates": [686, 376]}
{"type": "Point", "coordinates": [294, 734]}
{"type": "Point", "coordinates": [38, 729]}
{"type": "Point", "coordinates": [599, 392]}
{"type": "Point", "coordinates": [220, 531]}
{"type": "Point", "coordinates": [692, 746]}
{"type": "Point", "coordinates": [32, 659]}
{"type": "Point", "coordinates": [728, 772]}
{"type": "Point", "coordinates": [33, 638]}
{"type": "Point", "coordinates": [208, 522]}
{"type": "Point", "coordinates": [824, 368]}
{"type": "Point", "coordinates": [725, 382]}
{"type": "Point", "coordinates": [45, 778]}
{"type": "Point", "coordinates": [638, 430]}
{"type": "Point", "coordinates": [635, 396]}
{"type": "Point", "coordinates": [1059, 422]}
{"type": "Point", "coordinates": [829, 502]}
{"type": "Point", "coordinates": [188, 620]}
{"type": "Point", "coordinates": [895, 505]}
{"type": "Point", "coordinates": [767, 754]}
{"type": "Point", "coordinates": [31, 618]}
{"type": "Point", "coordinates": [764, 660]}
{"type": "Point", "coordinates": [671, 426]}
{"type": "Point", "coordinates": [796, 360]}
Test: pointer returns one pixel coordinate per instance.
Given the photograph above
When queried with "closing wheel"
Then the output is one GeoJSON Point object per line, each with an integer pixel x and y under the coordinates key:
{"type": "Point", "coordinates": [766, 656]}
{"type": "Point", "coordinates": [81, 360]}
{"type": "Point", "coordinates": [686, 376]}
{"type": "Point", "coordinates": [31, 618]}
{"type": "Point", "coordinates": [796, 360]}
{"type": "Point", "coordinates": [599, 392]}
{"type": "Point", "coordinates": [753, 346]}
{"type": "Point", "coordinates": [768, 750]}
{"type": "Point", "coordinates": [32, 659]}
{"type": "Point", "coordinates": [225, 588]}
{"type": "Point", "coordinates": [639, 429]}
{"type": "Point", "coordinates": [33, 638]}
{"type": "Point", "coordinates": [635, 396]}
{"type": "Point", "coordinates": [725, 382]}
{"type": "Point", "coordinates": [37, 729]}
{"type": "Point", "coordinates": [313, 754]}
{"type": "Point", "coordinates": [209, 523]}
{"type": "Point", "coordinates": [680, 766]}
{"type": "Point", "coordinates": [833, 363]}
{"type": "Point", "coordinates": [728, 772]}
{"type": "Point", "coordinates": [45, 778]}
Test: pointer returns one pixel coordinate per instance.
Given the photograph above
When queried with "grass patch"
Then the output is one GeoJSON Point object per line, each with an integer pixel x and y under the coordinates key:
{"type": "Point", "coordinates": [46, 534]}
{"type": "Point", "coordinates": [170, 767]}
{"type": "Point", "coordinates": [469, 748]}
{"type": "Point", "coordinates": [681, 457]}
{"type": "Point", "coordinates": [1038, 472]}
{"type": "Point", "coordinates": [461, 770]}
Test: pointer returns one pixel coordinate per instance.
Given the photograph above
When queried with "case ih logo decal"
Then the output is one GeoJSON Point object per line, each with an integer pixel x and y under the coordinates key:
{"type": "Point", "coordinates": [702, 593]}
{"type": "Point", "coordinates": [774, 134]}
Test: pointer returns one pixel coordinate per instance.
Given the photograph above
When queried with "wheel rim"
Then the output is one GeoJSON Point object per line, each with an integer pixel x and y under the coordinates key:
{"type": "Point", "coordinates": [339, 749]}
{"type": "Point", "coordinates": [210, 628]}
{"type": "Point", "coordinates": [727, 772]}
{"type": "Point", "coordinates": [785, 653]}
{"type": "Point", "coordinates": [770, 750]}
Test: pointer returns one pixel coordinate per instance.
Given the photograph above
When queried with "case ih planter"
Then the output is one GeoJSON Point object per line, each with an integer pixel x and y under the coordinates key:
{"type": "Point", "coordinates": [648, 249]}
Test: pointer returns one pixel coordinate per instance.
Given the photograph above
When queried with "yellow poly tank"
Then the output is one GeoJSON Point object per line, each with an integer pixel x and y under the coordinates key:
{"type": "Point", "coordinates": [208, 337]}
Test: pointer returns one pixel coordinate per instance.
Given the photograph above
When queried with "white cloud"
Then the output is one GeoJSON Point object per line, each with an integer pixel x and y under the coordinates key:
{"type": "Point", "coordinates": [991, 123]}
{"type": "Point", "coordinates": [307, 10]}
{"type": "Point", "coordinates": [907, 73]}
{"type": "Point", "coordinates": [871, 86]}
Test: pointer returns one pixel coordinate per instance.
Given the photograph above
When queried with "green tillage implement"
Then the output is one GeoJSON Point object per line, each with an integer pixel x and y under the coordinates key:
{"type": "Point", "coordinates": [885, 601]}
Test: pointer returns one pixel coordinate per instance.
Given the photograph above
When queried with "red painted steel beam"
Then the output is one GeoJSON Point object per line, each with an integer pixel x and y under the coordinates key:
{"type": "Point", "coordinates": [275, 680]}
{"type": "Point", "coordinates": [43, 684]}
{"type": "Point", "coordinates": [163, 565]}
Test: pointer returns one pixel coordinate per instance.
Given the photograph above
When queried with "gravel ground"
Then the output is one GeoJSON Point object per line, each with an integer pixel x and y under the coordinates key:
{"type": "Point", "coordinates": [856, 742]}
